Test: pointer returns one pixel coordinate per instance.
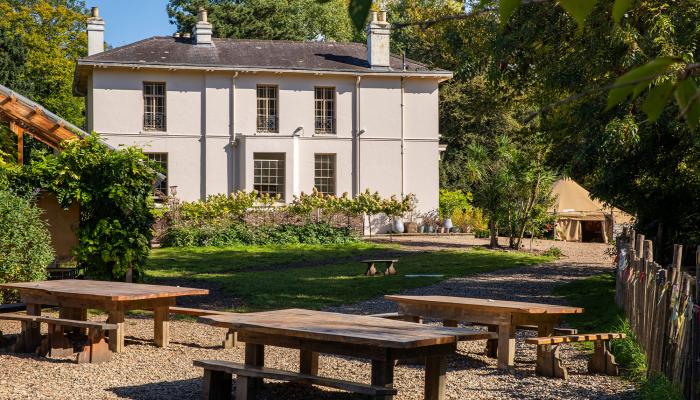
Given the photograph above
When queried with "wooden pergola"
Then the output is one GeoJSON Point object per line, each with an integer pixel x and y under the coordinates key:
{"type": "Point", "coordinates": [25, 116]}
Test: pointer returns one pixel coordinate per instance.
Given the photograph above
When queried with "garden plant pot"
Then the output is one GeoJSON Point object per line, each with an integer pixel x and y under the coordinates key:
{"type": "Point", "coordinates": [447, 224]}
{"type": "Point", "coordinates": [398, 226]}
{"type": "Point", "coordinates": [411, 227]}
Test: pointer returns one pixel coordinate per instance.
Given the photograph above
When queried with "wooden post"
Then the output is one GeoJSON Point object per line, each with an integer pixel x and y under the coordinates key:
{"type": "Point", "coordinates": [383, 375]}
{"type": "Point", "coordinates": [161, 332]}
{"type": "Point", "coordinates": [19, 131]}
{"type": "Point", "coordinates": [308, 362]}
{"type": "Point", "coordinates": [435, 372]}
{"type": "Point", "coordinates": [116, 337]}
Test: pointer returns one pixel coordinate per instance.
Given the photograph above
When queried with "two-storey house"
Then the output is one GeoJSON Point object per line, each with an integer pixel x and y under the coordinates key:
{"type": "Point", "coordinates": [280, 117]}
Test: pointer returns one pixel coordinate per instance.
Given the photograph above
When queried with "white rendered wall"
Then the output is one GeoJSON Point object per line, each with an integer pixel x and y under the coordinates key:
{"type": "Point", "coordinates": [202, 160]}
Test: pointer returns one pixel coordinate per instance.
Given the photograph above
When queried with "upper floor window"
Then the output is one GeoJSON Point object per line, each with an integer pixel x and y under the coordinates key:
{"type": "Point", "coordinates": [324, 173]}
{"type": "Point", "coordinates": [268, 173]}
{"type": "Point", "coordinates": [325, 109]}
{"type": "Point", "coordinates": [161, 189]}
{"type": "Point", "coordinates": [267, 109]}
{"type": "Point", "coordinates": [154, 106]}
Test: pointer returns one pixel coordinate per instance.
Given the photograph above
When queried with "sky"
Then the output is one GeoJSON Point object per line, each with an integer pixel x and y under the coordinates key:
{"type": "Point", "coordinates": [127, 21]}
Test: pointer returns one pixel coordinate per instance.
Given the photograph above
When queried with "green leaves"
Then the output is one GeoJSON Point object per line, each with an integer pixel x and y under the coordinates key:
{"type": "Point", "coordinates": [359, 10]}
{"type": "Point", "coordinates": [506, 9]}
{"type": "Point", "coordinates": [688, 99]}
{"type": "Point", "coordinates": [635, 81]}
{"type": "Point", "coordinates": [578, 9]}
{"type": "Point", "coordinates": [620, 7]}
{"type": "Point", "coordinates": [656, 100]}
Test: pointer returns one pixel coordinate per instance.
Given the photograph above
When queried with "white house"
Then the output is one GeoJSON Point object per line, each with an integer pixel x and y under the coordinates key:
{"type": "Point", "coordinates": [281, 117]}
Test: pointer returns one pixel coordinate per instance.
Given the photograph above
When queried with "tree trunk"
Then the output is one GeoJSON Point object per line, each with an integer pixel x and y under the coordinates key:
{"type": "Point", "coordinates": [530, 203]}
{"type": "Point", "coordinates": [493, 229]}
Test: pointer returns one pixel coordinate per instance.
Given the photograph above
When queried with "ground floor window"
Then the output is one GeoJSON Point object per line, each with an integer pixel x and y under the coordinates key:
{"type": "Point", "coordinates": [161, 189]}
{"type": "Point", "coordinates": [268, 173]}
{"type": "Point", "coordinates": [324, 173]}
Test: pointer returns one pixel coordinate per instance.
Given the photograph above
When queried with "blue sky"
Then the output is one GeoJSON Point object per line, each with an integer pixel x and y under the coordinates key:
{"type": "Point", "coordinates": [127, 21]}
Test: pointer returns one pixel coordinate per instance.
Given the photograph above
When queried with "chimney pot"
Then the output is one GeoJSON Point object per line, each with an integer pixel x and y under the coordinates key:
{"type": "Point", "coordinates": [378, 41]}
{"type": "Point", "coordinates": [203, 30]}
{"type": "Point", "coordinates": [95, 32]}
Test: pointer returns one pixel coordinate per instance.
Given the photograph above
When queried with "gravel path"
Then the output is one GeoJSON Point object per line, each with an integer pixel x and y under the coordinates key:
{"type": "Point", "coordinates": [146, 372]}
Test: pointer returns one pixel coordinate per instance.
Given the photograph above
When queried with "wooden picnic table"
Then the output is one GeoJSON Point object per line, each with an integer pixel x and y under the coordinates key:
{"type": "Point", "coordinates": [380, 340]}
{"type": "Point", "coordinates": [74, 297]}
{"type": "Point", "coordinates": [500, 316]}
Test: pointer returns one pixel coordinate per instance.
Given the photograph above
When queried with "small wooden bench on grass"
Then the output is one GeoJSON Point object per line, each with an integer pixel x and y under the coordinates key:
{"type": "Point", "coordinates": [230, 338]}
{"type": "Point", "coordinates": [93, 349]}
{"type": "Point", "coordinates": [372, 269]}
{"type": "Point", "coordinates": [549, 361]}
{"type": "Point", "coordinates": [218, 380]}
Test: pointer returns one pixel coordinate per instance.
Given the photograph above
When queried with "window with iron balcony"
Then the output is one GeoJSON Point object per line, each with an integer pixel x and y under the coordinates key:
{"type": "Point", "coordinates": [154, 106]}
{"type": "Point", "coordinates": [324, 98]}
{"type": "Point", "coordinates": [267, 120]}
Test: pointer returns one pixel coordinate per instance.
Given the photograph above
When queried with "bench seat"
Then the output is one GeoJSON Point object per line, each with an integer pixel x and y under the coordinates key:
{"type": "Point", "coordinates": [94, 349]}
{"type": "Point", "coordinates": [549, 361]}
{"type": "Point", "coordinates": [226, 368]}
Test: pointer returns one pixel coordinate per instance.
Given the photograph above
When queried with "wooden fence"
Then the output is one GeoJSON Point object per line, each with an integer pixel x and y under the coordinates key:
{"type": "Point", "coordinates": [660, 305]}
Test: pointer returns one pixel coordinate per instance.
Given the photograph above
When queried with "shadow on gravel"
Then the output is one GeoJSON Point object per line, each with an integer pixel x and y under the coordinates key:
{"type": "Point", "coordinates": [192, 389]}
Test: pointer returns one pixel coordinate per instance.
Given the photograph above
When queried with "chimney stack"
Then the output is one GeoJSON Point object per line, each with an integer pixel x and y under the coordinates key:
{"type": "Point", "coordinates": [378, 38]}
{"type": "Point", "coordinates": [95, 32]}
{"type": "Point", "coordinates": [203, 29]}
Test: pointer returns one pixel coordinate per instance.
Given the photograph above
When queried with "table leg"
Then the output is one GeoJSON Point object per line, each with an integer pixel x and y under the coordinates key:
{"type": "Point", "coordinates": [32, 330]}
{"type": "Point", "coordinates": [506, 346]}
{"type": "Point", "coordinates": [254, 356]}
{"type": "Point", "coordinates": [161, 328]}
{"type": "Point", "coordinates": [492, 344]}
{"type": "Point", "coordinates": [371, 270]}
{"type": "Point", "coordinates": [383, 375]}
{"type": "Point", "coordinates": [216, 385]}
{"type": "Point", "coordinates": [390, 270]}
{"type": "Point", "coordinates": [116, 337]}
{"type": "Point", "coordinates": [76, 314]}
{"type": "Point", "coordinates": [543, 330]}
{"type": "Point", "coordinates": [435, 376]}
{"type": "Point", "coordinates": [308, 362]}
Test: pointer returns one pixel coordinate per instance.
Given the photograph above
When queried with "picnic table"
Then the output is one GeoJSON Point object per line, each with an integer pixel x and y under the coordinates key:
{"type": "Point", "coordinates": [380, 340]}
{"type": "Point", "coordinates": [74, 297]}
{"type": "Point", "coordinates": [500, 316]}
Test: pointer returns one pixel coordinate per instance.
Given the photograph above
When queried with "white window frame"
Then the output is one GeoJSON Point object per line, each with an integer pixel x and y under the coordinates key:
{"type": "Point", "coordinates": [157, 113]}
{"type": "Point", "coordinates": [324, 110]}
{"type": "Point", "coordinates": [267, 106]}
{"type": "Point", "coordinates": [269, 173]}
{"type": "Point", "coordinates": [325, 173]}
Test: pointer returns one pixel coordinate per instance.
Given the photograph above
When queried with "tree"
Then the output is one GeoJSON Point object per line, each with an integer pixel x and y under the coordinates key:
{"type": "Point", "coordinates": [268, 19]}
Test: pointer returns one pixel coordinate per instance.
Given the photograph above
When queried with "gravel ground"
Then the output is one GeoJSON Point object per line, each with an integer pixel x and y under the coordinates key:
{"type": "Point", "coordinates": [147, 372]}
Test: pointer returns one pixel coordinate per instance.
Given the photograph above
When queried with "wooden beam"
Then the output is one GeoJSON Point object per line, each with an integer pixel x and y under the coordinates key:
{"type": "Point", "coordinates": [19, 131]}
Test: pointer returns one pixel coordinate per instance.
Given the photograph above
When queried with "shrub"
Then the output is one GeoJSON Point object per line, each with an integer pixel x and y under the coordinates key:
{"type": "Point", "coordinates": [470, 220]}
{"type": "Point", "coordinates": [453, 200]}
{"type": "Point", "coordinates": [229, 234]}
{"type": "Point", "coordinates": [25, 242]}
{"type": "Point", "coordinates": [553, 252]}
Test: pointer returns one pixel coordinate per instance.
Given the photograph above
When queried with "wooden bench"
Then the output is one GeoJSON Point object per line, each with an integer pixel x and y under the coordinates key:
{"type": "Point", "coordinates": [94, 348]}
{"type": "Point", "coordinates": [401, 317]}
{"type": "Point", "coordinates": [218, 379]}
{"type": "Point", "coordinates": [372, 269]}
{"type": "Point", "coordinates": [230, 340]}
{"type": "Point", "coordinates": [549, 361]}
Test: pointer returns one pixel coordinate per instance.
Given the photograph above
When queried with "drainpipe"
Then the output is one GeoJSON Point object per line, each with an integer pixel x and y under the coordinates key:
{"type": "Point", "coordinates": [403, 144]}
{"type": "Point", "coordinates": [232, 145]}
{"type": "Point", "coordinates": [357, 136]}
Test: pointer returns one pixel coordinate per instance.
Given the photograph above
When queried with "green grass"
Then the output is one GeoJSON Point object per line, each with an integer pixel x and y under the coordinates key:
{"type": "Point", "coordinates": [313, 277]}
{"type": "Point", "coordinates": [597, 296]}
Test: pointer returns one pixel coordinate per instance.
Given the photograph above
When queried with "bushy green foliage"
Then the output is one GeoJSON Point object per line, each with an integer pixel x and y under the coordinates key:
{"type": "Point", "coordinates": [453, 200]}
{"type": "Point", "coordinates": [269, 19]}
{"type": "Point", "coordinates": [114, 189]}
{"type": "Point", "coordinates": [25, 242]}
{"type": "Point", "coordinates": [231, 234]}
{"type": "Point", "coordinates": [553, 252]}
{"type": "Point", "coordinates": [233, 206]}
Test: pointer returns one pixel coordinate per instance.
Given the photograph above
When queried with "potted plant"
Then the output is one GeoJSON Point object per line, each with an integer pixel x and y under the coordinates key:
{"type": "Point", "coordinates": [430, 221]}
{"type": "Point", "coordinates": [451, 200]}
{"type": "Point", "coordinates": [394, 209]}
{"type": "Point", "coordinates": [410, 203]}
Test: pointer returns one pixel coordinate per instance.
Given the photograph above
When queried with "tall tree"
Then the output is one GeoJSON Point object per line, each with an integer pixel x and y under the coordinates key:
{"type": "Point", "coordinates": [268, 19]}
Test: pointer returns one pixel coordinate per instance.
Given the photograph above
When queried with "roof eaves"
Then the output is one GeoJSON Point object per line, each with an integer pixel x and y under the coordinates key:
{"type": "Point", "coordinates": [243, 68]}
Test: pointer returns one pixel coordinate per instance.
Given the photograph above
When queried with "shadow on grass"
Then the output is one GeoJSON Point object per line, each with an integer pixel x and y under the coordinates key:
{"type": "Point", "coordinates": [312, 277]}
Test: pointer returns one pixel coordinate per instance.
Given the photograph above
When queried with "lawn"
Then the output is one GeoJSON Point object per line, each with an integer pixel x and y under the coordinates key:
{"type": "Point", "coordinates": [313, 277]}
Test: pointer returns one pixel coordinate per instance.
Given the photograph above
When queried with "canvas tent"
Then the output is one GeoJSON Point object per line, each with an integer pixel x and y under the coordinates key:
{"type": "Point", "coordinates": [580, 218]}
